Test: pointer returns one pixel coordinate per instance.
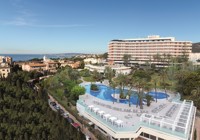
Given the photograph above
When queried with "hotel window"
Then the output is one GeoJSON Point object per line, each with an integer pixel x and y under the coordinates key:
{"type": "Point", "coordinates": [146, 135]}
{"type": "Point", "coordinates": [152, 137]}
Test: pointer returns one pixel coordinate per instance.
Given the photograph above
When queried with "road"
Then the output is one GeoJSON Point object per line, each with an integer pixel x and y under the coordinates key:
{"type": "Point", "coordinates": [83, 129]}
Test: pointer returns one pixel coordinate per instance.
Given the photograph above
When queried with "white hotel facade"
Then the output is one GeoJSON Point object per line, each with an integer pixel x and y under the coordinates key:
{"type": "Point", "coordinates": [143, 49]}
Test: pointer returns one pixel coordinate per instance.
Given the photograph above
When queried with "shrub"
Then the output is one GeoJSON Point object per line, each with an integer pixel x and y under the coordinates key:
{"type": "Point", "coordinates": [122, 96]}
{"type": "Point", "coordinates": [94, 87]}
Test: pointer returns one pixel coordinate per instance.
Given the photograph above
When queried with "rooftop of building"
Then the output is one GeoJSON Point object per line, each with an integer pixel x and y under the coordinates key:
{"type": "Point", "coordinates": [4, 67]}
{"type": "Point", "coordinates": [169, 115]}
{"type": "Point", "coordinates": [152, 38]}
{"type": "Point", "coordinates": [36, 64]}
{"type": "Point", "coordinates": [116, 67]}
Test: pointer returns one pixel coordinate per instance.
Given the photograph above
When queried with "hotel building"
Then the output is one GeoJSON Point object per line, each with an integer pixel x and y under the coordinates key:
{"type": "Point", "coordinates": [143, 49]}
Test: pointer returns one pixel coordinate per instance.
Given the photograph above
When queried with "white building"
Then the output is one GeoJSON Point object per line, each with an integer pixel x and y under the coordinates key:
{"type": "Point", "coordinates": [5, 59]}
{"type": "Point", "coordinates": [165, 120]}
{"type": "Point", "coordinates": [5, 62]}
{"type": "Point", "coordinates": [4, 70]}
{"type": "Point", "coordinates": [194, 57]}
{"type": "Point", "coordinates": [117, 69]}
{"type": "Point", "coordinates": [93, 60]}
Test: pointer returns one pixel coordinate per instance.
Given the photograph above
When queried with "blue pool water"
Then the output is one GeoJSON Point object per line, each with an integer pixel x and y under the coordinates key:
{"type": "Point", "coordinates": [105, 93]}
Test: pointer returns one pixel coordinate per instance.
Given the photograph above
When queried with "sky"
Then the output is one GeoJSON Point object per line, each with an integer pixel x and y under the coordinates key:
{"type": "Point", "coordinates": [87, 26]}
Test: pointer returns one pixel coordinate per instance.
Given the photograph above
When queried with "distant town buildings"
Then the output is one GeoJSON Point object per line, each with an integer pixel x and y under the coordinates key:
{"type": "Point", "coordinates": [6, 59]}
{"type": "Point", "coordinates": [74, 65]}
{"type": "Point", "coordinates": [93, 60]}
{"type": "Point", "coordinates": [4, 71]}
{"type": "Point", "coordinates": [45, 65]}
{"type": "Point", "coordinates": [5, 63]}
{"type": "Point", "coordinates": [142, 50]}
{"type": "Point", "coordinates": [34, 66]}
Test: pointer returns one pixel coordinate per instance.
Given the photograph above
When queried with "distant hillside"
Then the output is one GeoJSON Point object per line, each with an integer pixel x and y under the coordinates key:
{"type": "Point", "coordinates": [196, 47]}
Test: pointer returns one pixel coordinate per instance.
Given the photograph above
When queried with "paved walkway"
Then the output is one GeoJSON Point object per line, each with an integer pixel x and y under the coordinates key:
{"type": "Point", "coordinates": [83, 129]}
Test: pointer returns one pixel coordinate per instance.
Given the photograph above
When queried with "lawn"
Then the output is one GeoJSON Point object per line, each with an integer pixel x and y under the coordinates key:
{"type": "Point", "coordinates": [88, 79]}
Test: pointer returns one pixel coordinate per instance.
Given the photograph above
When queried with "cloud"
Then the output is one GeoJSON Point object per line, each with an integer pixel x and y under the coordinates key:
{"type": "Point", "coordinates": [18, 21]}
{"type": "Point", "coordinates": [26, 18]}
{"type": "Point", "coordinates": [24, 22]}
{"type": "Point", "coordinates": [16, 3]}
{"type": "Point", "coordinates": [58, 25]}
{"type": "Point", "coordinates": [11, 50]}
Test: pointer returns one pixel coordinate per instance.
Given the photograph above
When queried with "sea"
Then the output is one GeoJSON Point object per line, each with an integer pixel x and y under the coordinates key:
{"type": "Point", "coordinates": [26, 57]}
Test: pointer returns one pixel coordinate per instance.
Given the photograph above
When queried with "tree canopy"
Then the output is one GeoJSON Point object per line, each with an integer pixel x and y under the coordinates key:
{"type": "Point", "coordinates": [25, 113]}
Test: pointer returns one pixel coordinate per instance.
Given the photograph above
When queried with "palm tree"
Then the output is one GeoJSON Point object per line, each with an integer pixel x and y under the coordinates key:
{"type": "Point", "coordinates": [109, 73]}
{"type": "Point", "coordinates": [113, 84]}
{"type": "Point", "coordinates": [156, 58]}
{"type": "Point", "coordinates": [149, 98]}
{"type": "Point", "coordinates": [163, 76]}
{"type": "Point", "coordinates": [168, 58]}
{"type": "Point", "coordinates": [196, 91]}
{"type": "Point", "coordinates": [180, 76]}
{"type": "Point", "coordinates": [97, 76]}
{"type": "Point", "coordinates": [121, 82]}
{"type": "Point", "coordinates": [141, 78]}
{"type": "Point", "coordinates": [136, 84]}
{"type": "Point", "coordinates": [129, 93]}
{"type": "Point", "coordinates": [154, 80]}
{"type": "Point", "coordinates": [126, 58]}
{"type": "Point", "coordinates": [194, 96]}
{"type": "Point", "coordinates": [140, 86]}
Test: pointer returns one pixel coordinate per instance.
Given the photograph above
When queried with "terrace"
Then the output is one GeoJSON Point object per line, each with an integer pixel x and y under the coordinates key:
{"type": "Point", "coordinates": [166, 116]}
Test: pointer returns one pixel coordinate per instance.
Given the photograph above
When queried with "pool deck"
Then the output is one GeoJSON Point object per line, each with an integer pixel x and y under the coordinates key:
{"type": "Point", "coordinates": [170, 116]}
{"type": "Point", "coordinates": [130, 115]}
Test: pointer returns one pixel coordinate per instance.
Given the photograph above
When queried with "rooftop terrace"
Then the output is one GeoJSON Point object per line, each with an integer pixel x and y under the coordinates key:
{"type": "Point", "coordinates": [170, 116]}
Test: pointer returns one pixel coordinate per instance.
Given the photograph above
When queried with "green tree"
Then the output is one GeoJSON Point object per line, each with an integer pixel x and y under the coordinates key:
{"type": "Point", "coordinates": [96, 75]}
{"type": "Point", "coordinates": [122, 81]}
{"type": "Point", "coordinates": [105, 55]}
{"type": "Point", "coordinates": [141, 78]}
{"type": "Point", "coordinates": [149, 98]}
{"type": "Point", "coordinates": [126, 58]}
{"type": "Point", "coordinates": [164, 76]}
{"type": "Point", "coordinates": [109, 73]}
{"type": "Point", "coordinates": [113, 84]}
{"type": "Point", "coordinates": [76, 91]}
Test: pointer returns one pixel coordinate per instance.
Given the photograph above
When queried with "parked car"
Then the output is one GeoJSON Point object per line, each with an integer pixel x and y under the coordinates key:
{"type": "Point", "coordinates": [76, 125]}
{"type": "Point", "coordinates": [70, 120]}
{"type": "Point", "coordinates": [61, 111]}
{"type": "Point", "coordinates": [53, 103]}
{"type": "Point", "coordinates": [87, 137]}
{"type": "Point", "coordinates": [57, 107]}
{"type": "Point", "coordinates": [66, 114]}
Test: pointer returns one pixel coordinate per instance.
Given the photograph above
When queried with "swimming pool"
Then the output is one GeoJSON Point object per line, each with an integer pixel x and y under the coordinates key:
{"type": "Point", "coordinates": [105, 93]}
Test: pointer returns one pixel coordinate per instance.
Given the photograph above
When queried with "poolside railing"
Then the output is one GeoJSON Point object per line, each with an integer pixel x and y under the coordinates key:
{"type": "Point", "coordinates": [157, 123]}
